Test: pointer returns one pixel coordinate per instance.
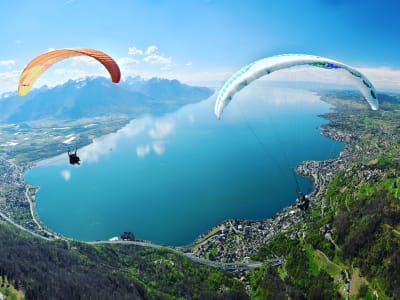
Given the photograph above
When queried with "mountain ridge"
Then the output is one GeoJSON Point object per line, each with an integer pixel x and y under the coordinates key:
{"type": "Point", "coordinates": [91, 97]}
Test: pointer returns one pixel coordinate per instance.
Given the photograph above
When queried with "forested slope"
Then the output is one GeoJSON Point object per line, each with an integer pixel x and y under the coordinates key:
{"type": "Point", "coordinates": [349, 241]}
{"type": "Point", "coordinates": [75, 270]}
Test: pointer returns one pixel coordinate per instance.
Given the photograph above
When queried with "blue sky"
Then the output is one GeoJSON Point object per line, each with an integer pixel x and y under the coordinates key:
{"type": "Point", "coordinates": [201, 40]}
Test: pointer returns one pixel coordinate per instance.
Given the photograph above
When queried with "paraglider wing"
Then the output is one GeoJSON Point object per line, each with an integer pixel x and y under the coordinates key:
{"type": "Point", "coordinates": [42, 62]}
{"type": "Point", "coordinates": [271, 64]}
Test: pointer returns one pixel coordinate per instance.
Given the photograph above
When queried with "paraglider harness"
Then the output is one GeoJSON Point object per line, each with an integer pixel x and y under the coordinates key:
{"type": "Point", "coordinates": [303, 202]}
{"type": "Point", "coordinates": [73, 158]}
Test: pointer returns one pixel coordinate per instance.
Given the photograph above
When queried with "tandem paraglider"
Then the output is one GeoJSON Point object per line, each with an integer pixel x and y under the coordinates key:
{"type": "Point", "coordinates": [37, 66]}
{"type": "Point", "coordinates": [263, 67]}
{"type": "Point", "coordinates": [303, 202]}
{"type": "Point", "coordinates": [73, 157]}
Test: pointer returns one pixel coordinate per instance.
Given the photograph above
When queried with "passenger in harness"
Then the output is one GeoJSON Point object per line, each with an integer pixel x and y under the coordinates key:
{"type": "Point", "coordinates": [73, 158]}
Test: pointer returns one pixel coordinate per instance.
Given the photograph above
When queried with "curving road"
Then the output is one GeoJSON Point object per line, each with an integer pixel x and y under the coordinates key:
{"type": "Point", "coordinates": [225, 266]}
{"type": "Point", "coordinates": [221, 265]}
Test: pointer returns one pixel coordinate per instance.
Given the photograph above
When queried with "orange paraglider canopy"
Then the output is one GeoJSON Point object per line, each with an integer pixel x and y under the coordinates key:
{"type": "Point", "coordinates": [42, 62]}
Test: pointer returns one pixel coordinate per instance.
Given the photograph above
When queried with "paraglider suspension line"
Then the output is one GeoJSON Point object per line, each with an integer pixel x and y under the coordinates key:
{"type": "Point", "coordinates": [268, 154]}
{"type": "Point", "coordinates": [297, 183]}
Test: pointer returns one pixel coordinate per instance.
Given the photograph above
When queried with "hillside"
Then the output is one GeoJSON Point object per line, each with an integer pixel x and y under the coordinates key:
{"type": "Point", "coordinates": [74, 270]}
{"type": "Point", "coordinates": [349, 241]}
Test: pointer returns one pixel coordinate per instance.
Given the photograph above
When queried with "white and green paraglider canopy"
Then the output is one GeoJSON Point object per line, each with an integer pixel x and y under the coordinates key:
{"type": "Point", "coordinates": [265, 66]}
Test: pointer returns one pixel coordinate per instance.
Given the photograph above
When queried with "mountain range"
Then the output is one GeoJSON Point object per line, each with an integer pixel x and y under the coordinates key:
{"type": "Point", "coordinates": [91, 97]}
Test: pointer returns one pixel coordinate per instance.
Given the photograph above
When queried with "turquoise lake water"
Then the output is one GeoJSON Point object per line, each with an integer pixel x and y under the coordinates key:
{"type": "Point", "coordinates": [168, 179]}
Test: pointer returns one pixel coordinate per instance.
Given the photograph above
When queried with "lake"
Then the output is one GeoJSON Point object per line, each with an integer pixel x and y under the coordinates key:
{"type": "Point", "coordinates": [168, 179]}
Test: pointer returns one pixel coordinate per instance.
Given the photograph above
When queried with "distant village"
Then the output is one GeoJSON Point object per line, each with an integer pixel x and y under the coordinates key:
{"type": "Point", "coordinates": [17, 200]}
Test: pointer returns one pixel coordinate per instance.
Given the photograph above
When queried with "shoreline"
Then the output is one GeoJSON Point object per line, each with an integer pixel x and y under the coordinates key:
{"type": "Point", "coordinates": [235, 240]}
{"type": "Point", "coordinates": [251, 233]}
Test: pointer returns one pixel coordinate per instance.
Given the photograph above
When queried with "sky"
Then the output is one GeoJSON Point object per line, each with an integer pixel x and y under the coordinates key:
{"type": "Point", "coordinates": [198, 40]}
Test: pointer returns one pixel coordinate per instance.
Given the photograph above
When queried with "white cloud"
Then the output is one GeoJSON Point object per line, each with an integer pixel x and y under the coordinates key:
{"type": "Point", "coordinates": [9, 81]}
{"type": "Point", "coordinates": [191, 119]}
{"type": "Point", "coordinates": [129, 71]}
{"type": "Point", "coordinates": [134, 128]}
{"type": "Point", "coordinates": [162, 129]}
{"type": "Point", "coordinates": [153, 57]}
{"type": "Point", "coordinates": [383, 77]}
{"type": "Point", "coordinates": [61, 75]}
{"type": "Point", "coordinates": [127, 61]}
{"type": "Point", "coordinates": [159, 147]}
{"type": "Point", "coordinates": [7, 63]}
{"type": "Point", "coordinates": [104, 145]}
{"type": "Point", "coordinates": [79, 60]}
{"type": "Point", "coordinates": [66, 174]}
{"type": "Point", "coordinates": [72, 69]}
{"type": "Point", "coordinates": [167, 68]}
{"type": "Point", "coordinates": [142, 150]}
{"type": "Point", "coordinates": [188, 64]}
{"type": "Point", "coordinates": [157, 59]}
{"type": "Point", "coordinates": [100, 147]}
{"type": "Point", "coordinates": [200, 77]}
{"type": "Point", "coordinates": [151, 50]}
{"type": "Point", "coordinates": [134, 50]}
{"type": "Point", "coordinates": [50, 49]}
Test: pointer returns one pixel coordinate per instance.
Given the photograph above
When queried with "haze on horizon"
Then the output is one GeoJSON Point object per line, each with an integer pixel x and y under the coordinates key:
{"type": "Point", "coordinates": [197, 41]}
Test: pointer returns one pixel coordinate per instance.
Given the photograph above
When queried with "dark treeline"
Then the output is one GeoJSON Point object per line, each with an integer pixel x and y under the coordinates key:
{"type": "Point", "coordinates": [51, 271]}
{"type": "Point", "coordinates": [74, 270]}
{"type": "Point", "coordinates": [367, 232]}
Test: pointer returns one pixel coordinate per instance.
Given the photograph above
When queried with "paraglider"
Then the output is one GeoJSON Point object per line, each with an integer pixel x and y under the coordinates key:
{"type": "Point", "coordinates": [302, 202]}
{"type": "Point", "coordinates": [73, 157]}
{"type": "Point", "coordinates": [268, 65]}
{"type": "Point", "coordinates": [271, 64]}
{"type": "Point", "coordinates": [44, 61]}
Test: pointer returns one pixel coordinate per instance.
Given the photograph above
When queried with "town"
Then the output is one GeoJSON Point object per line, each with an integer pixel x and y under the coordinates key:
{"type": "Point", "coordinates": [237, 240]}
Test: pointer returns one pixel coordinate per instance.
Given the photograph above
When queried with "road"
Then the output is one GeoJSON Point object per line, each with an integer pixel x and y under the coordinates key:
{"type": "Point", "coordinates": [225, 266]}
{"type": "Point", "coordinates": [31, 206]}
{"type": "Point", "coordinates": [23, 228]}
{"type": "Point", "coordinates": [52, 237]}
